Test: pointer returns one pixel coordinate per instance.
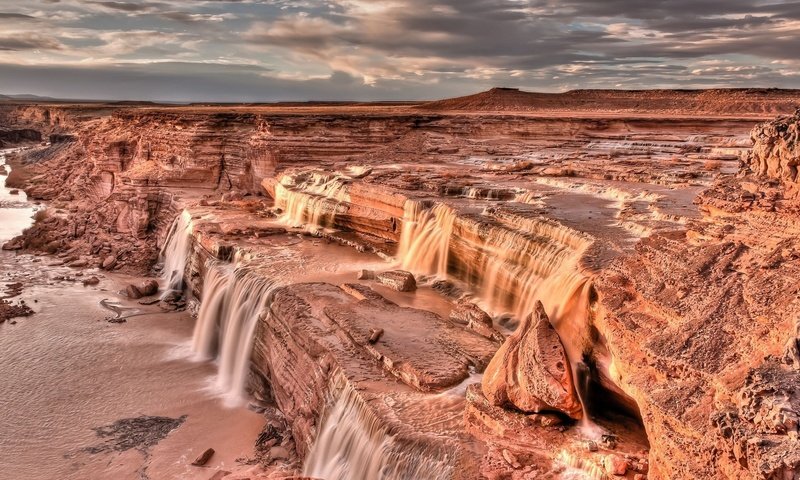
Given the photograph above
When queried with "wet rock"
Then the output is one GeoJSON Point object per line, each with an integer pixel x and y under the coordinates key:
{"type": "Point", "coordinates": [591, 446]}
{"type": "Point", "coordinates": [399, 280]}
{"type": "Point", "coordinates": [531, 371]}
{"type": "Point", "coordinates": [203, 458]}
{"type": "Point", "coordinates": [13, 191]}
{"type": "Point", "coordinates": [91, 281]}
{"type": "Point", "coordinates": [362, 292]}
{"type": "Point", "coordinates": [149, 287]}
{"type": "Point", "coordinates": [133, 292]}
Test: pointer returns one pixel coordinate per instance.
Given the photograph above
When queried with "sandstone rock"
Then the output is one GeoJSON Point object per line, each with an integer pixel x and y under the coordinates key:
{"type": "Point", "coordinates": [366, 274]}
{"type": "Point", "coordinates": [13, 191]}
{"type": "Point", "coordinates": [530, 371]}
{"type": "Point", "coordinates": [203, 458]}
{"type": "Point", "coordinates": [615, 465]}
{"type": "Point", "coordinates": [109, 262]}
{"type": "Point", "coordinates": [399, 280]}
{"type": "Point", "coordinates": [149, 287]}
{"type": "Point", "coordinates": [91, 281]}
{"type": "Point", "coordinates": [133, 292]}
{"type": "Point", "coordinates": [80, 263]}
{"type": "Point", "coordinates": [219, 475]}
{"type": "Point", "coordinates": [362, 292]}
{"type": "Point", "coordinates": [375, 335]}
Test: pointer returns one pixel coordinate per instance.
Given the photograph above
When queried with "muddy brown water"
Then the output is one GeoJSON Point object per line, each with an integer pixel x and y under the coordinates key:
{"type": "Point", "coordinates": [66, 371]}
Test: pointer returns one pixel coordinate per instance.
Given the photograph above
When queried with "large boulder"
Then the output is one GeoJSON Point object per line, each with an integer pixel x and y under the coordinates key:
{"type": "Point", "coordinates": [531, 372]}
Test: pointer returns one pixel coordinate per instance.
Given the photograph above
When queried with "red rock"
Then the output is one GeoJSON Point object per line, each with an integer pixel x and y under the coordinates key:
{"type": "Point", "coordinates": [615, 465]}
{"type": "Point", "coordinates": [399, 280]}
{"type": "Point", "coordinates": [203, 458]}
{"type": "Point", "coordinates": [531, 371]}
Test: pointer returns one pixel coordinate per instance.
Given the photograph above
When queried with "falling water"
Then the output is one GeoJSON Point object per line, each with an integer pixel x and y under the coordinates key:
{"type": "Point", "coordinates": [175, 253]}
{"type": "Point", "coordinates": [425, 239]}
{"type": "Point", "coordinates": [313, 201]}
{"type": "Point", "coordinates": [233, 300]}
{"type": "Point", "coordinates": [511, 261]}
{"type": "Point", "coordinates": [354, 444]}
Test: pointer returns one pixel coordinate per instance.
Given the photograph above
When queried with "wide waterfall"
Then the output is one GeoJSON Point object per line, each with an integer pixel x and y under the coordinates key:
{"type": "Point", "coordinates": [511, 263]}
{"type": "Point", "coordinates": [355, 445]}
{"type": "Point", "coordinates": [312, 202]}
{"type": "Point", "coordinates": [175, 253]}
{"type": "Point", "coordinates": [234, 297]}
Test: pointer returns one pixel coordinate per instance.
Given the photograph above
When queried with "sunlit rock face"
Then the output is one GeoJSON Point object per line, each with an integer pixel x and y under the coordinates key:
{"type": "Point", "coordinates": [467, 289]}
{"type": "Point", "coordinates": [776, 150]}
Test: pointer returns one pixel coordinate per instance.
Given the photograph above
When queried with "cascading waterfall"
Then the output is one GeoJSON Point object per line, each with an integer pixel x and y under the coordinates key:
{"type": "Point", "coordinates": [354, 444]}
{"type": "Point", "coordinates": [425, 238]}
{"type": "Point", "coordinates": [233, 300]}
{"type": "Point", "coordinates": [313, 202]}
{"type": "Point", "coordinates": [515, 262]}
{"type": "Point", "coordinates": [175, 253]}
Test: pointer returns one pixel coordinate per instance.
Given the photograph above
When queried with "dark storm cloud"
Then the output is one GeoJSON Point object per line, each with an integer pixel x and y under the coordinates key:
{"type": "Point", "coordinates": [369, 49]}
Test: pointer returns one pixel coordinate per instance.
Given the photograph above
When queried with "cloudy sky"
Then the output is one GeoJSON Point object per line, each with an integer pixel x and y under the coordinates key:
{"type": "Point", "coordinates": [251, 50]}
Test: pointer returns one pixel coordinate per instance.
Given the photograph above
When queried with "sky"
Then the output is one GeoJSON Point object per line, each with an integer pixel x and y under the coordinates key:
{"type": "Point", "coordinates": [277, 50]}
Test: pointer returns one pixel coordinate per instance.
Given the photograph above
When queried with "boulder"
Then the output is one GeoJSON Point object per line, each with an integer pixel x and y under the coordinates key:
{"type": "Point", "coordinates": [399, 280]}
{"type": "Point", "coordinates": [132, 291]}
{"type": "Point", "coordinates": [149, 287]}
{"type": "Point", "coordinates": [203, 458]}
{"type": "Point", "coordinates": [91, 281]}
{"type": "Point", "coordinates": [109, 262]}
{"type": "Point", "coordinates": [531, 372]}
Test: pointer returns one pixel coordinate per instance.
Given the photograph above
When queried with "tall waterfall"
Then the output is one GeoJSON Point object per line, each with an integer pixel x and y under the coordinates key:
{"type": "Point", "coordinates": [355, 445]}
{"type": "Point", "coordinates": [425, 238]}
{"type": "Point", "coordinates": [175, 253]}
{"type": "Point", "coordinates": [233, 300]}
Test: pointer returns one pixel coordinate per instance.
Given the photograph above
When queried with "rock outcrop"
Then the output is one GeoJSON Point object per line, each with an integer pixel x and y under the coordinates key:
{"type": "Point", "coordinates": [776, 151]}
{"type": "Point", "coordinates": [531, 371]}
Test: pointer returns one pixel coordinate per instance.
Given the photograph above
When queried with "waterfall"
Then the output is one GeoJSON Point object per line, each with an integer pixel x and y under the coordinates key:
{"type": "Point", "coordinates": [511, 261]}
{"type": "Point", "coordinates": [233, 300]}
{"type": "Point", "coordinates": [312, 201]}
{"type": "Point", "coordinates": [425, 238]}
{"type": "Point", "coordinates": [175, 253]}
{"type": "Point", "coordinates": [354, 444]}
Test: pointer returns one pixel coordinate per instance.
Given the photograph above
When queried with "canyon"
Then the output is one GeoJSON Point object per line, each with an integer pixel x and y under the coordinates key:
{"type": "Point", "coordinates": [509, 285]}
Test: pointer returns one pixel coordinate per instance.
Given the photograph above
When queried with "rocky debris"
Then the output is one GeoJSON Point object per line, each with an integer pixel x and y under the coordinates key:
{"type": "Point", "coordinates": [203, 458]}
{"type": "Point", "coordinates": [615, 465]}
{"type": "Point", "coordinates": [399, 280]}
{"type": "Point", "coordinates": [9, 310]}
{"type": "Point", "coordinates": [140, 433]}
{"type": "Point", "coordinates": [13, 290]}
{"type": "Point", "coordinates": [531, 372]}
{"type": "Point", "coordinates": [143, 289]}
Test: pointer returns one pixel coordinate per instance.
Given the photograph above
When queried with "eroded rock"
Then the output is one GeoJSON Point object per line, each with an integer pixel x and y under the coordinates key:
{"type": "Point", "coordinates": [531, 372]}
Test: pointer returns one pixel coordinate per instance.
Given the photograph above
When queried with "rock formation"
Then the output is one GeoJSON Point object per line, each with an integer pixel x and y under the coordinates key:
{"type": "Point", "coordinates": [531, 372]}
